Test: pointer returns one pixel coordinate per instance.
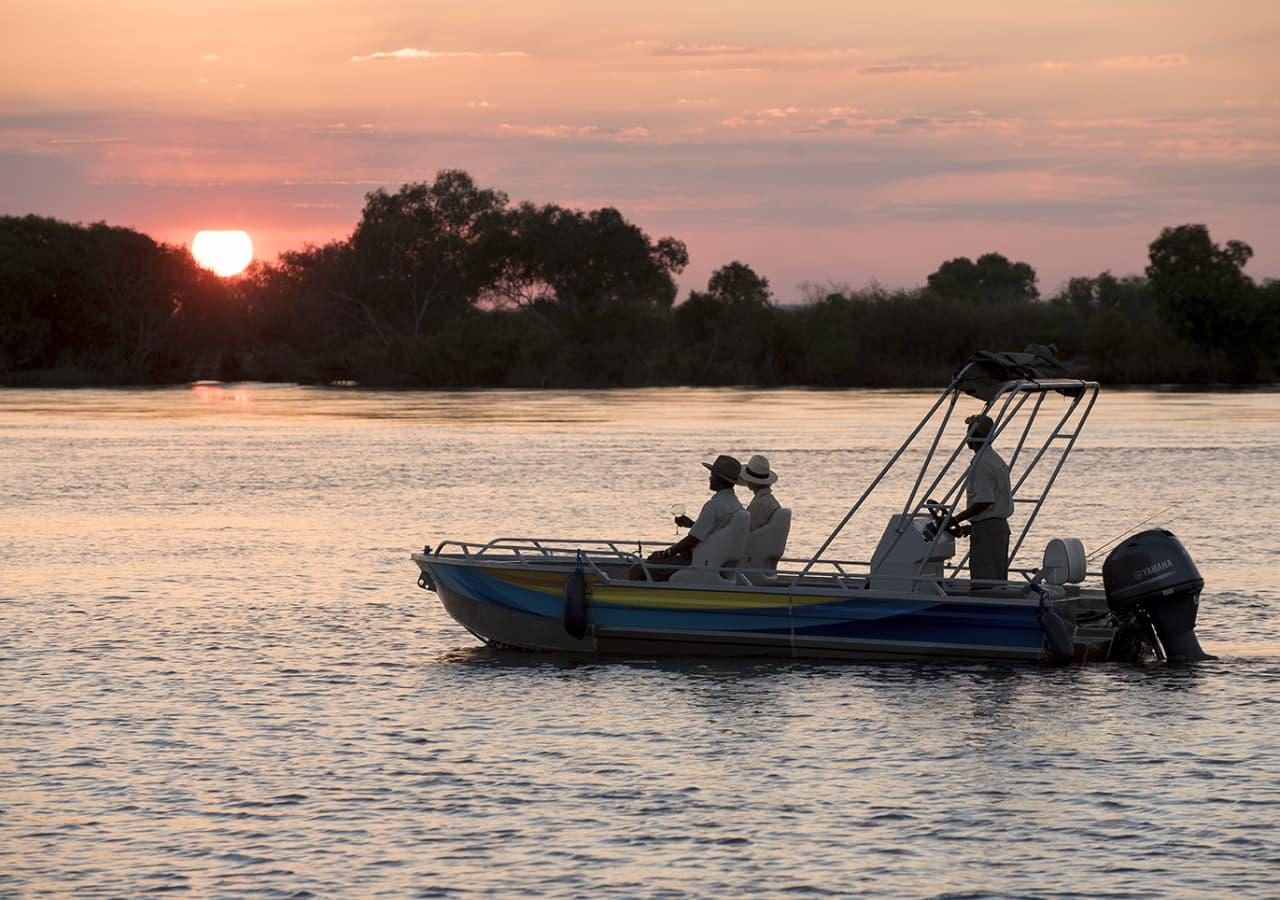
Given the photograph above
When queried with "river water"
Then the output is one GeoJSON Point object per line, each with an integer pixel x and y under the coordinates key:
{"type": "Point", "coordinates": [217, 674]}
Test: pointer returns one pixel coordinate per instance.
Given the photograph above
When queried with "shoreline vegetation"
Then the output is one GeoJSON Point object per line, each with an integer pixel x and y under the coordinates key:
{"type": "Point", "coordinates": [449, 285]}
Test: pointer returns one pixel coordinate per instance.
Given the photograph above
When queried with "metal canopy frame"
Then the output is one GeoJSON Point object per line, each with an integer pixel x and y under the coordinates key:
{"type": "Point", "coordinates": [1014, 408]}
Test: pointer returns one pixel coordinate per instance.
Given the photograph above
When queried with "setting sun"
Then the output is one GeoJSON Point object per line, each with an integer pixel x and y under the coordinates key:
{"type": "Point", "coordinates": [224, 253]}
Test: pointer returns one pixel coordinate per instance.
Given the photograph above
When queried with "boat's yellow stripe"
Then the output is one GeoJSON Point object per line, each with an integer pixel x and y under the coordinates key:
{"type": "Point", "coordinates": [543, 582]}
{"type": "Point", "coordinates": [552, 584]}
{"type": "Point", "coordinates": [659, 598]}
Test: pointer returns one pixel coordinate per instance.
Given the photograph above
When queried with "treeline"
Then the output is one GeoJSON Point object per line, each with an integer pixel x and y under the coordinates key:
{"type": "Point", "coordinates": [447, 284]}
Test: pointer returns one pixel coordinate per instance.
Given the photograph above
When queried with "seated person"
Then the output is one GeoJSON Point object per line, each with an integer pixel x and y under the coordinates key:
{"type": "Point", "coordinates": [716, 514]}
{"type": "Point", "coordinates": [757, 476]}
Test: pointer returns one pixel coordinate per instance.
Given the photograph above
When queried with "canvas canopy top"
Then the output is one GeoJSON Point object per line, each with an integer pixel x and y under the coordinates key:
{"type": "Point", "coordinates": [987, 370]}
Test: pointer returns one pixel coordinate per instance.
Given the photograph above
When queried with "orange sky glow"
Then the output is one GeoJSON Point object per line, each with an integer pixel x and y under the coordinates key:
{"type": "Point", "coordinates": [817, 141]}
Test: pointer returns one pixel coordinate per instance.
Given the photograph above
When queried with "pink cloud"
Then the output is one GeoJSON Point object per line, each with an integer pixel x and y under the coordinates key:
{"type": "Point", "coordinates": [1211, 149]}
{"type": "Point", "coordinates": [725, 57]}
{"type": "Point", "coordinates": [561, 131]}
{"type": "Point", "coordinates": [914, 69]}
{"type": "Point", "coordinates": [701, 50]}
{"type": "Point", "coordinates": [412, 53]}
{"type": "Point", "coordinates": [1163, 61]}
{"type": "Point", "coordinates": [834, 119]}
{"type": "Point", "coordinates": [726, 70]}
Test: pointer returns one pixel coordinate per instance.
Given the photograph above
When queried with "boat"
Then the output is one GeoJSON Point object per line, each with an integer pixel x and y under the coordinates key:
{"type": "Point", "coordinates": [914, 598]}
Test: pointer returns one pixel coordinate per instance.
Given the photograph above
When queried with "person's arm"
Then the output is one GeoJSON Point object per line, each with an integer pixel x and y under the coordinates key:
{"type": "Point", "coordinates": [969, 512]}
{"type": "Point", "coordinates": [688, 542]}
{"type": "Point", "coordinates": [984, 493]}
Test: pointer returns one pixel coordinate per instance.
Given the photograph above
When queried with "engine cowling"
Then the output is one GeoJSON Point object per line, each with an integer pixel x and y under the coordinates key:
{"type": "Point", "coordinates": [1152, 583]}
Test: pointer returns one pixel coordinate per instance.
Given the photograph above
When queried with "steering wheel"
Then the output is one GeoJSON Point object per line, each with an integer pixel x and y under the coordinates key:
{"type": "Point", "coordinates": [938, 515]}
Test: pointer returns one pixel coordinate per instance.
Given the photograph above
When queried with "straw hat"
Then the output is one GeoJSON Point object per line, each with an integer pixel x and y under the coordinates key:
{"type": "Point", "coordinates": [757, 472]}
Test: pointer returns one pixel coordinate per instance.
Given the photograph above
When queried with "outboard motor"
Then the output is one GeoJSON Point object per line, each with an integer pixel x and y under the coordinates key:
{"type": "Point", "coordinates": [1153, 588]}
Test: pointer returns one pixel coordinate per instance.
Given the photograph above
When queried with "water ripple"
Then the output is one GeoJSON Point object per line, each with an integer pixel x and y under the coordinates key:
{"type": "Point", "coordinates": [218, 678]}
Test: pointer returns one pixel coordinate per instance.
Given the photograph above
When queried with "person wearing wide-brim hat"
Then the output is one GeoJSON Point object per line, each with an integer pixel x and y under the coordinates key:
{"type": "Point", "coordinates": [716, 513]}
{"type": "Point", "coordinates": [757, 476]}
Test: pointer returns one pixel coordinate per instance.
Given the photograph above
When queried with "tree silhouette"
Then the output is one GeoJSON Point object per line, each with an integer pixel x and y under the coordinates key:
{"type": "Point", "coordinates": [445, 284]}
{"type": "Point", "coordinates": [1201, 287]}
{"type": "Point", "coordinates": [417, 254]}
{"type": "Point", "coordinates": [727, 334]}
{"type": "Point", "coordinates": [105, 299]}
{"type": "Point", "coordinates": [992, 279]}
{"type": "Point", "coordinates": [583, 262]}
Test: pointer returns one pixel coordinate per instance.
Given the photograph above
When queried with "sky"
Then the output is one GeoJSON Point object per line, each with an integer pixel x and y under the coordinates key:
{"type": "Point", "coordinates": [819, 142]}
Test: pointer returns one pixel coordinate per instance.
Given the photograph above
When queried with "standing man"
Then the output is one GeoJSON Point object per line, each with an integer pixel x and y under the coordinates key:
{"type": "Point", "coordinates": [990, 505]}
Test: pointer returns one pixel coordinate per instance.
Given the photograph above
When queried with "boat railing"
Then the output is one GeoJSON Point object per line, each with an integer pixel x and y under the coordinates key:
{"type": "Point", "coordinates": [947, 472]}
{"type": "Point", "coordinates": [549, 549]}
{"type": "Point", "coordinates": [597, 555]}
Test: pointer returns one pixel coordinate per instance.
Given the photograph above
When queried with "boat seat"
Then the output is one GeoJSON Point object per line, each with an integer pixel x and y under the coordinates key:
{"type": "Point", "coordinates": [1064, 562]}
{"type": "Point", "coordinates": [722, 550]}
{"type": "Point", "coordinates": [766, 545]}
